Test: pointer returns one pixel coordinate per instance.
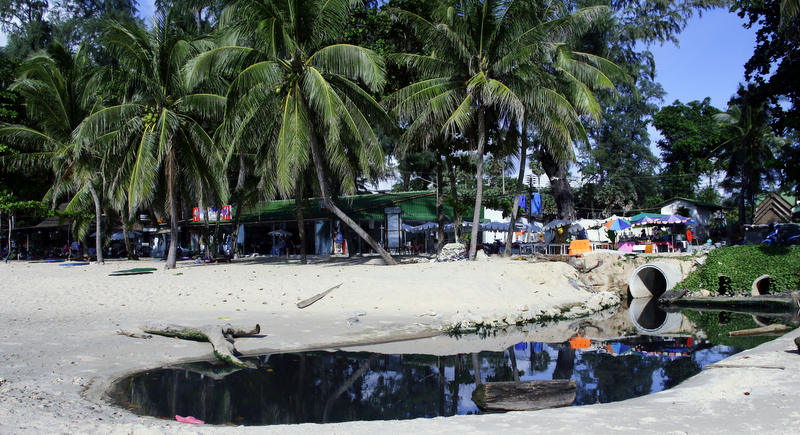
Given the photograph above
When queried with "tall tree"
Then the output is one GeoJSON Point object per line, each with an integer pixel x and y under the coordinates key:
{"type": "Point", "coordinates": [749, 154]}
{"type": "Point", "coordinates": [290, 60]}
{"type": "Point", "coordinates": [159, 126]}
{"type": "Point", "coordinates": [620, 165]}
{"type": "Point", "coordinates": [84, 21]}
{"type": "Point", "coordinates": [774, 67]}
{"type": "Point", "coordinates": [622, 36]}
{"type": "Point", "coordinates": [58, 98]}
{"type": "Point", "coordinates": [689, 135]}
{"type": "Point", "coordinates": [490, 61]}
{"type": "Point", "coordinates": [26, 26]}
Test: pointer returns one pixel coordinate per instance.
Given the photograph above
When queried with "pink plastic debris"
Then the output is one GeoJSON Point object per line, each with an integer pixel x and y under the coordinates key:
{"type": "Point", "coordinates": [189, 419]}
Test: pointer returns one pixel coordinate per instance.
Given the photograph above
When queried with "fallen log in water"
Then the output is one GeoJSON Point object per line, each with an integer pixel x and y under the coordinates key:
{"type": "Point", "coordinates": [524, 395]}
{"type": "Point", "coordinates": [214, 334]}
{"type": "Point", "coordinates": [769, 329]}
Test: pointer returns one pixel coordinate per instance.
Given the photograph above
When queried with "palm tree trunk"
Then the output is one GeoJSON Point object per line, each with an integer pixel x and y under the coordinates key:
{"type": "Point", "coordinates": [98, 243]}
{"type": "Point", "coordinates": [557, 173]}
{"type": "Point", "coordinates": [440, 202]}
{"type": "Point", "coordinates": [10, 225]}
{"type": "Point", "coordinates": [204, 229]}
{"type": "Point", "coordinates": [476, 218]}
{"type": "Point", "coordinates": [323, 186]}
{"type": "Point", "coordinates": [126, 229]}
{"type": "Point", "coordinates": [523, 154]}
{"type": "Point", "coordinates": [235, 236]}
{"type": "Point", "coordinates": [298, 213]}
{"type": "Point", "coordinates": [742, 205]}
{"type": "Point", "coordinates": [172, 255]}
{"type": "Point", "coordinates": [451, 171]}
{"type": "Point", "coordinates": [215, 240]}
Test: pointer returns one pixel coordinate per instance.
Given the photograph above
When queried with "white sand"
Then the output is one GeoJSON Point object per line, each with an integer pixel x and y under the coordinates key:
{"type": "Point", "coordinates": [60, 350]}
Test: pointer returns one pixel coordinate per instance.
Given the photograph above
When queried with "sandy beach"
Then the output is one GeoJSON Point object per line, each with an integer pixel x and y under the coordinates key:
{"type": "Point", "coordinates": [61, 349]}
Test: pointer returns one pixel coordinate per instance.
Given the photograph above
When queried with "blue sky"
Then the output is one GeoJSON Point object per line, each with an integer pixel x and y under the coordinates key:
{"type": "Point", "coordinates": [709, 61]}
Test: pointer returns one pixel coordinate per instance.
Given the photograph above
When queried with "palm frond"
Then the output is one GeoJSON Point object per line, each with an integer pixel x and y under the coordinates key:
{"type": "Point", "coordinates": [352, 61]}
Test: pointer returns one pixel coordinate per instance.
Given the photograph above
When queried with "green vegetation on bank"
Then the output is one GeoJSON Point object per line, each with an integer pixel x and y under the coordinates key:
{"type": "Point", "coordinates": [741, 265]}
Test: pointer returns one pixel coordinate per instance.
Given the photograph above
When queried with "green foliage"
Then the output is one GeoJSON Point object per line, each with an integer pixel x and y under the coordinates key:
{"type": "Point", "coordinates": [690, 134]}
{"type": "Point", "coordinates": [621, 165]}
{"type": "Point", "coordinates": [774, 64]}
{"type": "Point", "coordinates": [749, 155]}
{"type": "Point", "coordinates": [743, 264]}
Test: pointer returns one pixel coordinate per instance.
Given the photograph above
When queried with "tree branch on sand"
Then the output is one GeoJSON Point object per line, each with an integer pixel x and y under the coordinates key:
{"type": "Point", "coordinates": [220, 337]}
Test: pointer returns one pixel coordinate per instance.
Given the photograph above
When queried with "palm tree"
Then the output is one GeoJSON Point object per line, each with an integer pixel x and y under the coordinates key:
{"type": "Point", "coordinates": [159, 127]}
{"type": "Point", "coordinates": [751, 148]}
{"type": "Point", "coordinates": [287, 60]}
{"type": "Point", "coordinates": [493, 61]}
{"type": "Point", "coordinates": [58, 98]}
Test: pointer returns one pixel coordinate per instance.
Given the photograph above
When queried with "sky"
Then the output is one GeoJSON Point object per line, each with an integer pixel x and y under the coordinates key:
{"type": "Point", "coordinates": [709, 61]}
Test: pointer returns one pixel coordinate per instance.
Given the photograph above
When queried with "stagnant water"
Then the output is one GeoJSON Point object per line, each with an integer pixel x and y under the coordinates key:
{"type": "Point", "coordinates": [319, 387]}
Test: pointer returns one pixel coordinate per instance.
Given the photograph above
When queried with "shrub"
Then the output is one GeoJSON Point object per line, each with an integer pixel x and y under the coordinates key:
{"type": "Point", "coordinates": [741, 265]}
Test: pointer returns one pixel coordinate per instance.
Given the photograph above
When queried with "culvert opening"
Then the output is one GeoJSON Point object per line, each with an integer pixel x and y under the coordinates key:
{"type": "Point", "coordinates": [725, 285]}
{"type": "Point", "coordinates": [761, 286]}
{"type": "Point", "coordinates": [648, 282]}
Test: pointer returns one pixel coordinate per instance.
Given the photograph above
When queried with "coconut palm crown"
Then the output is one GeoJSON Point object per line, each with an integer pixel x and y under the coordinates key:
{"type": "Point", "coordinates": [159, 129]}
{"type": "Point", "coordinates": [293, 78]}
{"type": "Point", "coordinates": [493, 61]}
{"type": "Point", "coordinates": [56, 86]}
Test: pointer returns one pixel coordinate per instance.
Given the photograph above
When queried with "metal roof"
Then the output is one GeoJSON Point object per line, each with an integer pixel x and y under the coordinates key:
{"type": "Point", "coordinates": [416, 206]}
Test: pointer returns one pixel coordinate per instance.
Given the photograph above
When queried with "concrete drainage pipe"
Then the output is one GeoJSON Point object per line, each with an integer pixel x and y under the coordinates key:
{"type": "Point", "coordinates": [650, 319]}
{"type": "Point", "coordinates": [653, 279]}
{"type": "Point", "coordinates": [760, 286]}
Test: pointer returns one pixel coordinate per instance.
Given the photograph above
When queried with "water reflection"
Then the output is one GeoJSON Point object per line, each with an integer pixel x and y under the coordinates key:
{"type": "Point", "coordinates": [322, 387]}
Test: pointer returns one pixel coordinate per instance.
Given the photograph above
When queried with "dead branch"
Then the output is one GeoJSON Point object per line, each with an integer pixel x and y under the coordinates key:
{"type": "Point", "coordinates": [214, 334]}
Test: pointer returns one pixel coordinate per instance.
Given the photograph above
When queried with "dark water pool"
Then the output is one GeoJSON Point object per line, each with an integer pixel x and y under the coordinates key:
{"type": "Point", "coordinates": [320, 387]}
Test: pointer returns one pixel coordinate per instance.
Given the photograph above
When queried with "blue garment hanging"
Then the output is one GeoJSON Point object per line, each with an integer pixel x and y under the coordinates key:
{"type": "Point", "coordinates": [536, 203]}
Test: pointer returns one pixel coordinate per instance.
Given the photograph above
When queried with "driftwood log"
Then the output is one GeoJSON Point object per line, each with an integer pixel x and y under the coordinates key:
{"type": "Point", "coordinates": [217, 335]}
{"type": "Point", "coordinates": [524, 395]}
{"type": "Point", "coordinates": [304, 303]}
{"type": "Point", "coordinates": [764, 330]}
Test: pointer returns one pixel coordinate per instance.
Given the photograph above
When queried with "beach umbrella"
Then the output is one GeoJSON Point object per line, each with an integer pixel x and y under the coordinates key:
{"type": "Point", "coordinates": [425, 227]}
{"type": "Point", "coordinates": [557, 223]}
{"type": "Point", "coordinates": [120, 235]}
{"type": "Point", "coordinates": [407, 228]}
{"type": "Point", "coordinates": [636, 217]}
{"type": "Point", "coordinates": [503, 226]}
{"type": "Point", "coordinates": [585, 224]}
{"type": "Point", "coordinates": [451, 226]}
{"type": "Point", "coordinates": [617, 224]}
{"type": "Point", "coordinates": [643, 221]}
{"type": "Point", "coordinates": [494, 226]}
{"type": "Point", "coordinates": [673, 220]}
{"type": "Point", "coordinates": [534, 227]}
{"type": "Point", "coordinates": [279, 233]}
